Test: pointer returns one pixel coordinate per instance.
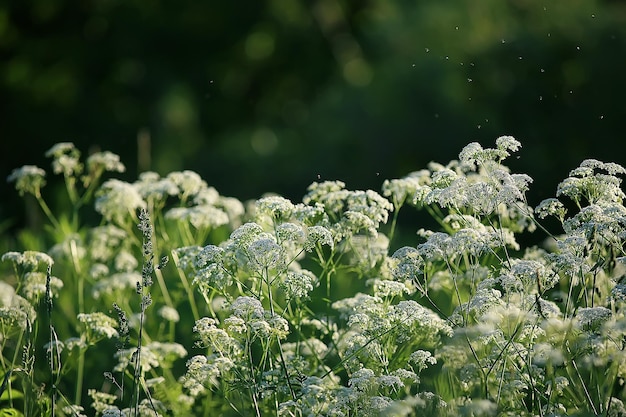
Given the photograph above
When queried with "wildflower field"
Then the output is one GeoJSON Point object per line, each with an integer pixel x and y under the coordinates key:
{"type": "Point", "coordinates": [161, 297]}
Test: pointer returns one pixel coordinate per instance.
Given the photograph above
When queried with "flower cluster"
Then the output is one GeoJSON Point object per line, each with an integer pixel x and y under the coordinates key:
{"type": "Point", "coordinates": [315, 307]}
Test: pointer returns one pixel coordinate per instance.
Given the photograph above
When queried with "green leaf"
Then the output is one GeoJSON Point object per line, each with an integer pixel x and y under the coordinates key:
{"type": "Point", "coordinates": [10, 412]}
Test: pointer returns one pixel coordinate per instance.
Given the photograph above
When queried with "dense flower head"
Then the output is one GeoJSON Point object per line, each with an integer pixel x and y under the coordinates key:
{"type": "Point", "coordinates": [154, 355]}
{"type": "Point", "coordinates": [311, 215]}
{"type": "Point", "coordinates": [201, 216]}
{"type": "Point", "coordinates": [404, 189]}
{"type": "Point", "coordinates": [189, 183]}
{"type": "Point", "coordinates": [30, 260]}
{"type": "Point", "coordinates": [551, 207]}
{"type": "Point", "coordinates": [16, 313]}
{"type": "Point", "coordinates": [208, 255]}
{"type": "Point", "coordinates": [355, 211]}
{"type": "Point", "coordinates": [299, 284]}
{"type": "Point", "coordinates": [118, 201]}
{"type": "Point", "coordinates": [421, 359]}
{"type": "Point", "coordinates": [153, 188]}
{"type": "Point", "coordinates": [104, 242]}
{"type": "Point", "coordinates": [99, 325]}
{"type": "Point", "coordinates": [212, 337]}
{"type": "Point", "coordinates": [413, 320]}
{"type": "Point", "coordinates": [34, 285]}
{"type": "Point", "coordinates": [116, 283]}
{"type": "Point", "coordinates": [212, 277]}
{"type": "Point", "coordinates": [125, 261]}
{"type": "Point", "coordinates": [203, 371]}
{"type": "Point", "coordinates": [66, 159]}
{"type": "Point", "coordinates": [247, 308]}
{"type": "Point", "coordinates": [265, 253]}
{"type": "Point", "coordinates": [28, 179]}
{"type": "Point", "coordinates": [357, 304]}
{"type": "Point", "coordinates": [317, 191]}
{"type": "Point", "coordinates": [585, 184]}
{"type": "Point", "coordinates": [409, 265]}
{"type": "Point", "coordinates": [105, 161]}
{"type": "Point", "coordinates": [169, 313]}
{"type": "Point", "coordinates": [591, 318]}
{"type": "Point", "coordinates": [233, 208]}
{"type": "Point", "coordinates": [388, 288]}
{"type": "Point", "coordinates": [276, 208]}
{"type": "Point", "coordinates": [245, 234]}
{"type": "Point", "coordinates": [290, 235]}
{"type": "Point", "coordinates": [533, 275]}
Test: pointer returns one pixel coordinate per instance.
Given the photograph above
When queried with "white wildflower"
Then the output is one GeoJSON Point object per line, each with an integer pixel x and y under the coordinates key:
{"type": "Point", "coordinates": [28, 179]}
{"type": "Point", "coordinates": [98, 325]}
{"type": "Point", "coordinates": [200, 217]}
{"type": "Point", "coordinates": [188, 182]}
{"type": "Point", "coordinates": [247, 308]}
{"type": "Point", "coordinates": [298, 284]}
{"type": "Point", "coordinates": [118, 201]}
{"type": "Point", "coordinates": [169, 313]}
{"type": "Point", "coordinates": [104, 161]}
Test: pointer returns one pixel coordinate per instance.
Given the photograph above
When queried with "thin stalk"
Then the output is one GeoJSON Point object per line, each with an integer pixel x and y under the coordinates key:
{"type": "Point", "coordinates": [280, 347]}
{"type": "Point", "coordinates": [80, 371]}
{"type": "Point", "coordinates": [47, 211]}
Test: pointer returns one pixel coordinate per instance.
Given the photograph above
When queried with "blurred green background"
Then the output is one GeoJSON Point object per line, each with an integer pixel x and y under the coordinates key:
{"type": "Point", "coordinates": [269, 96]}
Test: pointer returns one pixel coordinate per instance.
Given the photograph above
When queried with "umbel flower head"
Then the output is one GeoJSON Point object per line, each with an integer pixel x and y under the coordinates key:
{"type": "Point", "coordinates": [28, 179]}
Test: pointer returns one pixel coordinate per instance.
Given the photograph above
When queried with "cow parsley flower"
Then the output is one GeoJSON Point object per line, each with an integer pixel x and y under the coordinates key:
{"type": "Point", "coordinates": [421, 359]}
{"type": "Point", "coordinates": [591, 318]}
{"type": "Point", "coordinates": [188, 182]}
{"type": "Point", "coordinates": [298, 284]}
{"type": "Point", "coordinates": [116, 283]}
{"type": "Point", "coordinates": [551, 207]}
{"type": "Point", "coordinates": [66, 159]}
{"type": "Point", "coordinates": [291, 232]}
{"type": "Point", "coordinates": [117, 201]}
{"type": "Point", "coordinates": [404, 189]}
{"type": "Point", "coordinates": [362, 379]}
{"type": "Point", "coordinates": [207, 196]}
{"type": "Point", "coordinates": [29, 260]}
{"type": "Point", "coordinates": [245, 234]}
{"type": "Point", "coordinates": [413, 319]}
{"type": "Point", "coordinates": [233, 208]}
{"type": "Point", "coordinates": [28, 179]}
{"type": "Point", "coordinates": [276, 208]}
{"type": "Point", "coordinates": [265, 253]}
{"type": "Point", "coordinates": [34, 285]}
{"type": "Point", "coordinates": [125, 261]}
{"type": "Point", "coordinates": [208, 255]}
{"type": "Point", "coordinates": [318, 235]}
{"type": "Point", "coordinates": [200, 217]}
{"type": "Point", "coordinates": [153, 355]}
{"type": "Point", "coordinates": [169, 313]}
{"type": "Point", "coordinates": [104, 161]}
{"type": "Point", "coordinates": [410, 264]}
{"type": "Point", "coordinates": [388, 288]}
{"type": "Point", "coordinates": [19, 314]}
{"type": "Point", "coordinates": [317, 191]}
{"type": "Point", "coordinates": [584, 183]}
{"type": "Point", "coordinates": [98, 326]}
{"type": "Point", "coordinates": [247, 308]}
{"type": "Point", "coordinates": [354, 222]}
{"type": "Point", "coordinates": [153, 188]}
{"type": "Point", "coordinates": [310, 215]}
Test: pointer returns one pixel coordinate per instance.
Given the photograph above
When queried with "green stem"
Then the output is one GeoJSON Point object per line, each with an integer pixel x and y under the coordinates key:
{"type": "Point", "coordinates": [47, 211]}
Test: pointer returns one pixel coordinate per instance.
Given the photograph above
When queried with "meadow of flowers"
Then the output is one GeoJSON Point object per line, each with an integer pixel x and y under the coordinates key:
{"type": "Point", "coordinates": [161, 297]}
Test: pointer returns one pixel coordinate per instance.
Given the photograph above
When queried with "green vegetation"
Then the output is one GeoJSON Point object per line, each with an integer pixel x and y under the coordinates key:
{"type": "Point", "coordinates": [170, 299]}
